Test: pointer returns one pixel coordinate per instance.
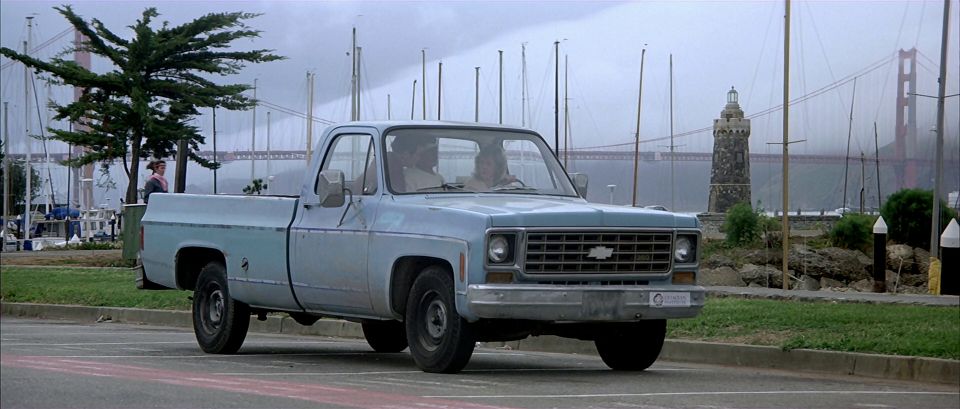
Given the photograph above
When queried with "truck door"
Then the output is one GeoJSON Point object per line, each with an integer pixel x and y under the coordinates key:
{"type": "Point", "coordinates": [328, 245]}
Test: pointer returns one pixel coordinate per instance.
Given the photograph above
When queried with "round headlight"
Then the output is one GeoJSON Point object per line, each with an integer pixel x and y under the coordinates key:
{"type": "Point", "coordinates": [683, 250]}
{"type": "Point", "coordinates": [499, 249]}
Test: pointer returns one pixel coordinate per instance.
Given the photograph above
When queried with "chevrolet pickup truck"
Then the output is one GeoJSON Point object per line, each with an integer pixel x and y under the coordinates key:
{"type": "Point", "coordinates": [397, 228]}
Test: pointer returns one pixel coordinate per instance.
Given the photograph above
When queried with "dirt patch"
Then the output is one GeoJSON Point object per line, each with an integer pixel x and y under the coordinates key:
{"type": "Point", "coordinates": [66, 259]}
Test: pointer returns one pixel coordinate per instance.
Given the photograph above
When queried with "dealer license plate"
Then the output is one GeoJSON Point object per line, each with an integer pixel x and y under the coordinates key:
{"type": "Point", "coordinates": [669, 299]}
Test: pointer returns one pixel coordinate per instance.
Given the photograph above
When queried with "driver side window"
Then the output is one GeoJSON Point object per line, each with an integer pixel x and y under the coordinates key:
{"type": "Point", "coordinates": [354, 155]}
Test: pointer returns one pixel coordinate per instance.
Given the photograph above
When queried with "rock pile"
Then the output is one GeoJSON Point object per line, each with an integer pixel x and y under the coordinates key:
{"type": "Point", "coordinates": [831, 268]}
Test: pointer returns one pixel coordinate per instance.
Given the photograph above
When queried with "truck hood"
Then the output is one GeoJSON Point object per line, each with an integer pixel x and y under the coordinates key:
{"type": "Point", "coordinates": [510, 210]}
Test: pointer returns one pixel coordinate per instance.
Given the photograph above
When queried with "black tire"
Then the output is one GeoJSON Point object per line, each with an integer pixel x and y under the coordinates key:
{"type": "Point", "coordinates": [632, 347]}
{"type": "Point", "coordinates": [440, 340]}
{"type": "Point", "coordinates": [385, 336]}
{"type": "Point", "coordinates": [219, 322]}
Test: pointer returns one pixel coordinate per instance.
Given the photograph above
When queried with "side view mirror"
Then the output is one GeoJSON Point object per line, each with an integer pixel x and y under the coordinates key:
{"type": "Point", "coordinates": [330, 188]}
{"type": "Point", "coordinates": [580, 182]}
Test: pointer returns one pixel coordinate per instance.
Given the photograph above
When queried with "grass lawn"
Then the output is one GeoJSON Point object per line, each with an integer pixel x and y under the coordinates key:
{"type": "Point", "coordinates": [871, 328]}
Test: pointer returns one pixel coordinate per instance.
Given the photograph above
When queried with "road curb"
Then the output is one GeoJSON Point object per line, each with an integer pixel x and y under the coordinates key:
{"type": "Point", "coordinates": [919, 369]}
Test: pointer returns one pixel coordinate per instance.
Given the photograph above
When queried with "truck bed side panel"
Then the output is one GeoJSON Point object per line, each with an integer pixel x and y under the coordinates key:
{"type": "Point", "coordinates": [250, 232]}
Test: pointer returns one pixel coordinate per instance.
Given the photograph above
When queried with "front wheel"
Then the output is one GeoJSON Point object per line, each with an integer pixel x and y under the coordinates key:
{"type": "Point", "coordinates": [632, 347]}
{"type": "Point", "coordinates": [440, 340]}
{"type": "Point", "coordinates": [219, 322]}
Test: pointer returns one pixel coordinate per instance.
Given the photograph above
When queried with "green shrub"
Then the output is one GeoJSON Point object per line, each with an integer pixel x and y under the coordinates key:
{"type": "Point", "coordinates": [742, 225]}
{"type": "Point", "coordinates": [853, 231]}
{"type": "Point", "coordinates": [908, 214]}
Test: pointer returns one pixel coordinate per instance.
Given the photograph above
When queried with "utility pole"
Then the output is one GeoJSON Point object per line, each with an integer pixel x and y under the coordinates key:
{"type": "Point", "coordinates": [500, 103]}
{"type": "Point", "coordinates": [388, 107]}
{"type": "Point", "coordinates": [556, 98]}
{"type": "Point", "coordinates": [938, 180]}
{"type": "Point", "coordinates": [636, 143]}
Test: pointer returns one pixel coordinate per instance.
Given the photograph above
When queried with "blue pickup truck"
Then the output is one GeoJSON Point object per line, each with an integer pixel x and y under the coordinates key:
{"type": "Point", "coordinates": [433, 236]}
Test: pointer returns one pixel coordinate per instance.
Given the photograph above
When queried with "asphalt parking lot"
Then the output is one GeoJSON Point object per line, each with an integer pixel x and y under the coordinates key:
{"type": "Point", "coordinates": [62, 364]}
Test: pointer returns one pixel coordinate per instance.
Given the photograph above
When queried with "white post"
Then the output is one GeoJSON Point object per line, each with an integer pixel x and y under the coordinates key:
{"type": "Point", "coordinates": [612, 188]}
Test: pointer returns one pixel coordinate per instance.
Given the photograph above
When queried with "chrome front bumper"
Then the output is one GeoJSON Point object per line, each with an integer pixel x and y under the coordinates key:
{"type": "Point", "coordinates": [584, 303]}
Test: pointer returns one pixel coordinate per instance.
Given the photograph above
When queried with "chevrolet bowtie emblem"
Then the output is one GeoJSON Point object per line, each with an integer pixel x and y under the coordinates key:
{"type": "Point", "coordinates": [600, 253]}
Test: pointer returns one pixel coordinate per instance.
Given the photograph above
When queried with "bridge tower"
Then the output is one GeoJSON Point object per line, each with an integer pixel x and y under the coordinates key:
{"type": "Point", "coordinates": [905, 145]}
{"type": "Point", "coordinates": [730, 176]}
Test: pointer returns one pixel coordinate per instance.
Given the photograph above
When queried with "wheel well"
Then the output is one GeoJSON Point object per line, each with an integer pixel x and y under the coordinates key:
{"type": "Point", "coordinates": [405, 271]}
{"type": "Point", "coordinates": [189, 262]}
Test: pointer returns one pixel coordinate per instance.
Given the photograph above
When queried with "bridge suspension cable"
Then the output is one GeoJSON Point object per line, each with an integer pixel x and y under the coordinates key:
{"type": "Point", "coordinates": [826, 88]}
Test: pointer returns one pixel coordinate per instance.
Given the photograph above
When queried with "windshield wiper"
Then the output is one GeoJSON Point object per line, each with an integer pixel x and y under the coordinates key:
{"type": "Point", "coordinates": [445, 187]}
{"type": "Point", "coordinates": [523, 188]}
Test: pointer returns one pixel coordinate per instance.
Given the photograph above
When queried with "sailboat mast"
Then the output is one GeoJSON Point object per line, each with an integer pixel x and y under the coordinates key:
{"type": "Point", "coordinates": [556, 98]}
{"type": "Point", "coordinates": [413, 99]}
{"type": "Point", "coordinates": [636, 143]}
{"type": "Point", "coordinates": [215, 159]}
{"type": "Point", "coordinates": [673, 205]}
{"type": "Point", "coordinates": [846, 158]}
{"type": "Point", "coordinates": [876, 147]}
{"type": "Point", "coordinates": [353, 76]}
{"type": "Point", "coordinates": [476, 98]}
{"type": "Point", "coordinates": [439, 88]}
{"type": "Point", "coordinates": [356, 98]}
{"type": "Point", "coordinates": [423, 83]}
{"type": "Point", "coordinates": [566, 111]}
{"type": "Point", "coordinates": [523, 84]}
{"type": "Point", "coordinates": [6, 169]}
{"type": "Point", "coordinates": [310, 77]}
{"type": "Point", "coordinates": [253, 135]}
{"type": "Point", "coordinates": [500, 98]}
{"type": "Point", "coordinates": [862, 179]}
{"type": "Point", "coordinates": [268, 145]}
{"type": "Point", "coordinates": [785, 224]}
{"type": "Point", "coordinates": [938, 179]}
{"type": "Point", "coordinates": [28, 168]}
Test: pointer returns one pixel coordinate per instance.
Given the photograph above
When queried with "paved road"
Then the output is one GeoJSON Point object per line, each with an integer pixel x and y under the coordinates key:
{"type": "Point", "coordinates": [59, 364]}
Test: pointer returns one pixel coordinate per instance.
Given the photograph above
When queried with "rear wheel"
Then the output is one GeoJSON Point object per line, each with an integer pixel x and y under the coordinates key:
{"type": "Point", "coordinates": [632, 347]}
{"type": "Point", "coordinates": [385, 336]}
{"type": "Point", "coordinates": [440, 340]}
{"type": "Point", "coordinates": [219, 322]}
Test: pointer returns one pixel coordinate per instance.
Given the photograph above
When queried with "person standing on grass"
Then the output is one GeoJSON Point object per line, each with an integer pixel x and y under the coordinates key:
{"type": "Point", "coordinates": [156, 183]}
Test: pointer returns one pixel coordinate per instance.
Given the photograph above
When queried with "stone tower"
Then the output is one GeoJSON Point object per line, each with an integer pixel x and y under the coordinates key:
{"type": "Point", "coordinates": [730, 177]}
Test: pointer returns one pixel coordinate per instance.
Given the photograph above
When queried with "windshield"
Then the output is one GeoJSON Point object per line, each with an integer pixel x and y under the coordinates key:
{"type": "Point", "coordinates": [446, 160]}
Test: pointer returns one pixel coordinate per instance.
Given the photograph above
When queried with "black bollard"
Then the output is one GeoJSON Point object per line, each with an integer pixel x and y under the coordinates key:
{"type": "Point", "coordinates": [950, 259]}
{"type": "Point", "coordinates": [880, 256]}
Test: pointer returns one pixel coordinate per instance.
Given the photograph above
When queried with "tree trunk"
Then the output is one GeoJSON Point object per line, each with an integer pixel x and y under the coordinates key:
{"type": "Point", "coordinates": [134, 179]}
{"type": "Point", "coordinates": [180, 179]}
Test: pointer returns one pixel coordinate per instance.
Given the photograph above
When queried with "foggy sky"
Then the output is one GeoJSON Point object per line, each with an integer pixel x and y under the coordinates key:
{"type": "Point", "coordinates": [715, 45]}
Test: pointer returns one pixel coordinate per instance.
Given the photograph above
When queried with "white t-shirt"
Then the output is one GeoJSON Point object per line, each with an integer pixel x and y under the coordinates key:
{"type": "Point", "coordinates": [416, 178]}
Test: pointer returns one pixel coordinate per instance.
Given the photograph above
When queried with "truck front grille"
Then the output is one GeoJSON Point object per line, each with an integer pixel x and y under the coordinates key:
{"type": "Point", "coordinates": [598, 252]}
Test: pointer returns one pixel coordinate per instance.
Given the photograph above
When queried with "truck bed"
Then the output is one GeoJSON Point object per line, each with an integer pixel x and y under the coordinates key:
{"type": "Point", "coordinates": [250, 232]}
